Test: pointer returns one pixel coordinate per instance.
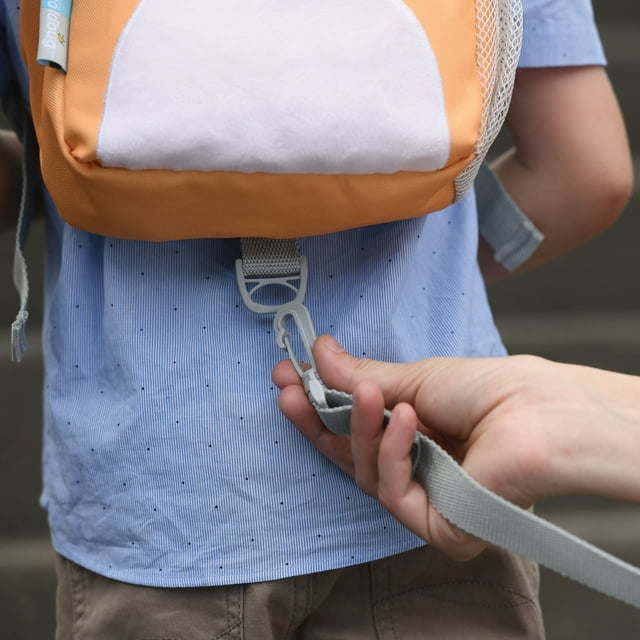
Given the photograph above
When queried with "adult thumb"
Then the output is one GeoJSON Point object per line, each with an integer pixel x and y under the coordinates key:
{"type": "Point", "coordinates": [340, 370]}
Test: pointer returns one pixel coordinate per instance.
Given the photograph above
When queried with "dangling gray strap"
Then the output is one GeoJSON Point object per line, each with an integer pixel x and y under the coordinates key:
{"type": "Point", "coordinates": [506, 228]}
{"type": "Point", "coordinates": [456, 495]}
{"type": "Point", "coordinates": [20, 273]}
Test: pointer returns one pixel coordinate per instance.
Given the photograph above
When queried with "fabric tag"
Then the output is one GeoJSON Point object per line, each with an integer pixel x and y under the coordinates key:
{"type": "Point", "coordinates": [54, 33]}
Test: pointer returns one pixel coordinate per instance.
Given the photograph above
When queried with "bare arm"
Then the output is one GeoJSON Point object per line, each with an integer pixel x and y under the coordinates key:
{"type": "Point", "coordinates": [10, 179]}
{"type": "Point", "coordinates": [570, 170]}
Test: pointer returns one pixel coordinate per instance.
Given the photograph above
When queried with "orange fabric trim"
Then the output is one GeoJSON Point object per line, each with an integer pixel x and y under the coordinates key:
{"type": "Point", "coordinates": [451, 28]}
{"type": "Point", "coordinates": [164, 205]}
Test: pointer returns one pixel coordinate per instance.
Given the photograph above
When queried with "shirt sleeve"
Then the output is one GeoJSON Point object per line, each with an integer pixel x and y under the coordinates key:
{"type": "Point", "coordinates": [560, 33]}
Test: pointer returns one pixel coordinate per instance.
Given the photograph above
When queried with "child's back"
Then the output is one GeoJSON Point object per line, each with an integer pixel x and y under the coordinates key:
{"type": "Point", "coordinates": [166, 460]}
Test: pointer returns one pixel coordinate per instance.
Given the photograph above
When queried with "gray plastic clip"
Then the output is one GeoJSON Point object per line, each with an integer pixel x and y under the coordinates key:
{"type": "Point", "coordinates": [249, 286]}
{"type": "Point", "coordinates": [300, 315]}
{"type": "Point", "coordinates": [313, 385]}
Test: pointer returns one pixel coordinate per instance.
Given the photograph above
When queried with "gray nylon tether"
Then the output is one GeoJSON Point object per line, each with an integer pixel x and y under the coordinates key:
{"type": "Point", "coordinates": [476, 510]}
{"type": "Point", "coordinates": [27, 204]}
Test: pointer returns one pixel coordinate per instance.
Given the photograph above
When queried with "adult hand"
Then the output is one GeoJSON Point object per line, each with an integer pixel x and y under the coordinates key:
{"type": "Point", "coordinates": [522, 426]}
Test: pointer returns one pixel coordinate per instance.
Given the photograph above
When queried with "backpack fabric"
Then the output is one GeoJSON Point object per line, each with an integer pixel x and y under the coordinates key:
{"type": "Point", "coordinates": [267, 118]}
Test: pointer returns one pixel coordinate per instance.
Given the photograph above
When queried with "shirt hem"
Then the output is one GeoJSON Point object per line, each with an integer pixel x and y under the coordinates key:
{"type": "Point", "coordinates": [571, 46]}
{"type": "Point", "coordinates": [173, 579]}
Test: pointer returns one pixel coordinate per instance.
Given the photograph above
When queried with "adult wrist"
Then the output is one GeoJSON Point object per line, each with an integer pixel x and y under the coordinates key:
{"type": "Point", "coordinates": [605, 455]}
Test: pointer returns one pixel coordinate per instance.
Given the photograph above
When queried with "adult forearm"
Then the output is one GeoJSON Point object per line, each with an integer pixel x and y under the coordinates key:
{"type": "Point", "coordinates": [10, 179]}
{"type": "Point", "coordinates": [600, 454]}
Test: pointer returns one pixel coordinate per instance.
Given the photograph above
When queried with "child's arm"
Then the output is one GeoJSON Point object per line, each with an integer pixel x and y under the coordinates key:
{"type": "Point", "coordinates": [10, 179]}
{"type": "Point", "coordinates": [570, 171]}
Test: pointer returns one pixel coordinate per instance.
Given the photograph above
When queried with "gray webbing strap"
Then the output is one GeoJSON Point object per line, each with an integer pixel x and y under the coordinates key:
{"type": "Point", "coordinates": [456, 495]}
{"type": "Point", "coordinates": [506, 228]}
{"type": "Point", "coordinates": [20, 273]}
{"type": "Point", "coordinates": [270, 258]}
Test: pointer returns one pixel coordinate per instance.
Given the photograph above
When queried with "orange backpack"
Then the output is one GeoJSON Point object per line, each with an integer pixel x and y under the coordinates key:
{"type": "Point", "coordinates": [264, 118]}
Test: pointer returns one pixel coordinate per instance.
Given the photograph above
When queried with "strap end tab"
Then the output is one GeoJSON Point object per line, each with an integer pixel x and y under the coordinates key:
{"type": "Point", "coordinates": [19, 337]}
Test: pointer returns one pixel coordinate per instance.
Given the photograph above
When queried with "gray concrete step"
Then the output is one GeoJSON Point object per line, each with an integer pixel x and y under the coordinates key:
{"type": "Point", "coordinates": [20, 444]}
{"type": "Point", "coordinates": [27, 590]}
{"type": "Point", "coordinates": [602, 339]}
{"type": "Point", "coordinates": [620, 10]}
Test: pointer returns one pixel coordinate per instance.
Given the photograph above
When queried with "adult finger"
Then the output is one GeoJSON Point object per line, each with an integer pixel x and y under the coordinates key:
{"type": "Point", "coordinates": [340, 370]}
{"type": "Point", "coordinates": [450, 395]}
{"type": "Point", "coordinates": [407, 500]}
{"type": "Point", "coordinates": [284, 374]}
{"type": "Point", "coordinates": [395, 480]}
{"type": "Point", "coordinates": [294, 404]}
{"type": "Point", "coordinates": [366, 433]}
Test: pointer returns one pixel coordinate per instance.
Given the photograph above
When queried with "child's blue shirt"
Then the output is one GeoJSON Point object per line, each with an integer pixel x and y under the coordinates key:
{"type": "Point", "coordinates": [166, 460]}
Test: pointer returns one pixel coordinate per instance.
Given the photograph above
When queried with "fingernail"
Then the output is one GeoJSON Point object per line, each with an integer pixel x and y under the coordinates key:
{"type": "Point", "coordinates": [334, 345]}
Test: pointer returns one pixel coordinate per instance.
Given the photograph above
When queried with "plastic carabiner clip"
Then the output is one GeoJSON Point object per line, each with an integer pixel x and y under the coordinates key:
{"type": "Point", "coordinates": [300, 315]}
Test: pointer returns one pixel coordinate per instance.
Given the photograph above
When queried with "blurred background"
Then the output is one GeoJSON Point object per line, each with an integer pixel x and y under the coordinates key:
{"type": "Point", "coordinates": [583, 308]}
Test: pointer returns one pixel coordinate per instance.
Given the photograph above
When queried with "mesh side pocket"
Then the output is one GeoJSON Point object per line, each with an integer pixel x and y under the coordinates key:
{"type": "Point", "coordinates": [499, 38]}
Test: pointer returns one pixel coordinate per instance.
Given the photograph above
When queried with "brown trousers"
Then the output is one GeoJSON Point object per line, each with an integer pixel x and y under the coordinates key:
{"type": "Point", "coordinates": [417, 594]}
